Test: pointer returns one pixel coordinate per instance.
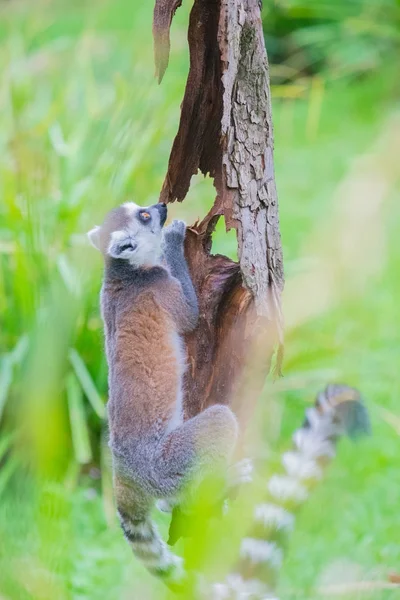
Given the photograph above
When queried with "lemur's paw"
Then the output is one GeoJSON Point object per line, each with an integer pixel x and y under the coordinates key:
{"type": "Point", "coordinates": [178, 578]}
{"type": "Point", "coordinates": [178, 572]}
{"type": "Point", "coordinates": [175, 232]}
{"type": "Point", "coordinates": [240, 473]}
{"type": "Point", "coordinates": [165, 506]}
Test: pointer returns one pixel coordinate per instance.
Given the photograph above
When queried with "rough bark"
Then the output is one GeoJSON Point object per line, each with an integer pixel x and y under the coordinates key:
{"type": "Point", "coordinates": [226, 131]}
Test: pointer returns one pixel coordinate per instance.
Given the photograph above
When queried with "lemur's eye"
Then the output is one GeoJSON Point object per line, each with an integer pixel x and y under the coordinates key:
{"type": "Point", "coordinates": [145, 216]}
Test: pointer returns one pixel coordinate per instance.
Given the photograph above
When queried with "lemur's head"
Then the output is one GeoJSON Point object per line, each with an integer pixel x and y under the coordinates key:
{"type": "Point", "coordinates": [132, 233]}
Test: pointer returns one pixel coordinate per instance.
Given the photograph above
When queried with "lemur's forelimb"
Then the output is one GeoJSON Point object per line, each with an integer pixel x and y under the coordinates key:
{"type": "Point", "coordinates": [173, 251]}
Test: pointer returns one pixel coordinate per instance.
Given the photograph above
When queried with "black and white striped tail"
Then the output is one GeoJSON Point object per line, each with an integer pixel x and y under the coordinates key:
{"type": "Point", "coordinates": [148, 546]}
{"type": "Point", "coordinates": [338, 411]}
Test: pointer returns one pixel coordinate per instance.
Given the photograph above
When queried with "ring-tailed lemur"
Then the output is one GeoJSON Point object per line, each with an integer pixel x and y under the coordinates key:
{"type": "Point", "coordinates": [148, 301]}
{"type": "Point", "coordinates": [338, 410]}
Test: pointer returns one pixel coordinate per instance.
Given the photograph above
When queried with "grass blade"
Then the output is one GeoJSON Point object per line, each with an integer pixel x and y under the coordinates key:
{"type": "Point", "coordinates": [106, 480]}
{"type": "Point", "coordinates": [77, 417]}
{"type": "Point", "coordinates": [8, 463]}
{"type": "Point", "coordinates": [6, 373]}
{"type": "Point", "coordinates": [8, 362]}
{"type": "Point", "coordinates": [7, 472]}
{"type": "Point", "coordinates": [86, 382]}
{"type": "Point", "coordinates": [20, 350]}
{"type": "Point", "coordinates": [5, 443]}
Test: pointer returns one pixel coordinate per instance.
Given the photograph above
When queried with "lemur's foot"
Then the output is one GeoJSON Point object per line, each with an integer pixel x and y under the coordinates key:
{"type": "Point", "coordinates": [240, 473]}
{"type": "Point", "coordinates": [176, 576]}
{"type": "Point", "coordinates": [165, 506]}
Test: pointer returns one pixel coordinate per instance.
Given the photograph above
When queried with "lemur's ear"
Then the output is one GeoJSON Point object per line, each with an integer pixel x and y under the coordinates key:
{"type": "Point", "coordinates": [94, 237]}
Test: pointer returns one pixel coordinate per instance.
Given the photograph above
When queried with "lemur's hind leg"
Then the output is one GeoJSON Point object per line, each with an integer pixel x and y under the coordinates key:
{"type": "Point", "coordinates": [197, 449]}
{"type": "Point", "coordinates": [185, 458]}
{"type": "Point", "coordinates": [197, 456]}
{"type": "Point", "coordinates": [238, 474]}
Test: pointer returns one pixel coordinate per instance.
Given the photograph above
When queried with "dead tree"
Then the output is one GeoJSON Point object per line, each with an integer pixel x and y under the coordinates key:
{"type": "Point", "coordinates": [226, 131]}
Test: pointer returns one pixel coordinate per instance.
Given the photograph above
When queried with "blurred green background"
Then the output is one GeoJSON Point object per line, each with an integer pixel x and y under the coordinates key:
{"type": "Point", "coordinates": [84, 126]}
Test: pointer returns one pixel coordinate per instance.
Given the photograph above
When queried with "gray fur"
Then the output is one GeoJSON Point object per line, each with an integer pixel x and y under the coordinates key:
{"type": "Point", "coordinates": [163, 465]}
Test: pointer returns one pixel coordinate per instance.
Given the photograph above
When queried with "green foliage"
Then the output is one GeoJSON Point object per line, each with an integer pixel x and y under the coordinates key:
{"type": "Point", "coordinates": [341, 38]}
{"type": "Point", "coordinates": [82, 126]}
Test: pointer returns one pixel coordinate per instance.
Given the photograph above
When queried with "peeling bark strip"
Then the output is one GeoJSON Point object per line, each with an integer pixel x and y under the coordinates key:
{"type": "Point", "coordinates": [164, 11]}
{"type": "Point", "coordinates": [225, 130]}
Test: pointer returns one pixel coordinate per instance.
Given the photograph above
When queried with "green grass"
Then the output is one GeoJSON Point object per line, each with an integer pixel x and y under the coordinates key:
{"type": "Point", "coordinates": [84, 126]}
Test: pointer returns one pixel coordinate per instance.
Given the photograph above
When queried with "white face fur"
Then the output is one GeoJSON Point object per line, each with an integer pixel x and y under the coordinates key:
{"type": "Point", "coordinates": [133, 233]}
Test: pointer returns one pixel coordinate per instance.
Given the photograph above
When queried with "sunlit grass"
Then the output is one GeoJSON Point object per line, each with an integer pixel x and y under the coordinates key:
{"type": "Point", "coordinates": [84, 126]}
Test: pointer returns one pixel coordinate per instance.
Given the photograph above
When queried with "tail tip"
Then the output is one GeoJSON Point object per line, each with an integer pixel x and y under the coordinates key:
{"type": "Point", "coordinates": [350, 408]}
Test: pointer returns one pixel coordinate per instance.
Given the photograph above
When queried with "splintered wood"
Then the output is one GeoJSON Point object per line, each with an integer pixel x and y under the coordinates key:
{"type": "Point", "coordinates": [225, 131]}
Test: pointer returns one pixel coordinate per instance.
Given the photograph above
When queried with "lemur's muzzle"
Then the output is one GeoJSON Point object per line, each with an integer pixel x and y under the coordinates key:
{"type": "Point", "coordinates": [162, 209]}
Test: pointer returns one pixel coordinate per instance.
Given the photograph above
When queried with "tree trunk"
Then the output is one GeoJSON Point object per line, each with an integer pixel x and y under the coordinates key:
{"type": "Point", "coordinates": [226, 131]}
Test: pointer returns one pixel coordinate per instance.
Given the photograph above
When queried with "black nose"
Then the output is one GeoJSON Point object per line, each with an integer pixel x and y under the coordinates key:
{"type": "Point", "coordinates": [162, 209]}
